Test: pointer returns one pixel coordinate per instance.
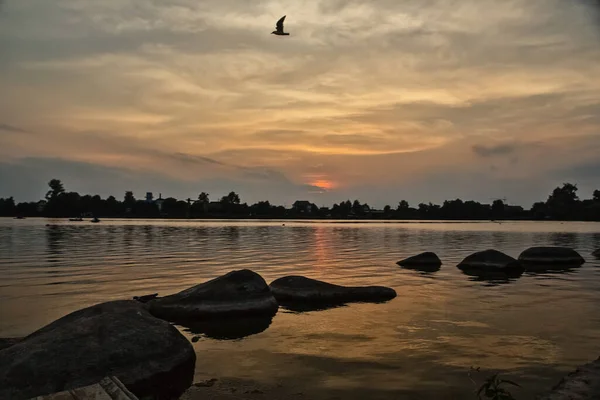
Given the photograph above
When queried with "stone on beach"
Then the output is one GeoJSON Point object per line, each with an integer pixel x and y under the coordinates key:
{"type": "Point", "coordinates": [242, 292]}
{"type": "Point", "coordinates": [550, 255]}
{"type": "Point", "coordinates": [427, 261]}
{"type": "Point", "coordinates": [302, 289]}
{"type": "Point", "coordinates": [118, 338]}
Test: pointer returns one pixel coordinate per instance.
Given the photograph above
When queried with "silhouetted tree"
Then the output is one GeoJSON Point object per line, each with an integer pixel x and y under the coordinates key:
{"type": "Point", "coordinates": [403, 205]}
{"type": "Point", "coordinates": [231, 198]}
{"type": "Point", "coordinates": [498, 209]}
{"type": "Point", "coordinates": [129, 199]}
{"type": "Point", "coordinates": [203, 198]}
{"type": "Point", "coordinates": [8, 207]}
{"type": "Point", "coordinates": [562, 203]}
{"type": "Point", "coordinates": [56, 189]}
{"type": "Point", "coordinates": [596, 195]}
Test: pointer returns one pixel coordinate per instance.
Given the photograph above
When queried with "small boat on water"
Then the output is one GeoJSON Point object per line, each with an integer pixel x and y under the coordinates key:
{"type": "Point", "coordinates": [95, 220]}
{"type": "Point", "coordinates": [76, 219]}
{"type": "Point", "coordinates": [19, 217]}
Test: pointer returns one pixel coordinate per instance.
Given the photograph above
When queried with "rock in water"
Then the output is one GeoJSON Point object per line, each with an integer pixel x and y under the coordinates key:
{"type": "Point", "coordinates": [489, 259]}
{"type": "Point", "coordinates": [118, 338]}
{"type": "Point", "coordinates": [491, 264]}
{"type": "Point", "coordinates": [427, 261]}
{"type": "Point", "coordinates": [242, 292]}
{"type": "Point", "coordinates": [550, 256]}
{"type": "Point", "coordinates": [293, 289]}
{"type": "Point", "coordinates": [582, 384]}
{"type": "Point", "coordinates": [596, 253]}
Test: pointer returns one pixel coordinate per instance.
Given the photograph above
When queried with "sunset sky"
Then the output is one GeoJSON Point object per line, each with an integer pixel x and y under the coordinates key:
{"type": "Point", "coordinates": [379, 100]}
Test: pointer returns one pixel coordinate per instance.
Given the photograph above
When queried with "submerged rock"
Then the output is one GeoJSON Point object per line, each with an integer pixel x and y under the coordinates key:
{"type": "Point", "coordinates": [549, 256]}
{"type": "Point", "coordinates": [427, 261]}
{"type": "Point", "coordinates": [596, 253]}
{"type": "Point", "coordinates": [582, 384]}
{"type": "Point", "coordinates": [294, 289]}
{"type": "Point", "coordinates": [491, 265]}
{"type": "Point", "coordinates": [242, 292]}
{"type": "Point", "coordinates": [119, 338]}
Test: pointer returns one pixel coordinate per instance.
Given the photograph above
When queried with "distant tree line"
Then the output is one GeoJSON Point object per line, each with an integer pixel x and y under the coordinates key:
{"type": "Point", "coordinates": [562, 204]}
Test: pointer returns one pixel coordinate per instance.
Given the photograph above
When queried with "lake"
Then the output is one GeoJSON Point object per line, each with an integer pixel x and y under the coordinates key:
{"type": "Point", "coordinates": [533, 329]}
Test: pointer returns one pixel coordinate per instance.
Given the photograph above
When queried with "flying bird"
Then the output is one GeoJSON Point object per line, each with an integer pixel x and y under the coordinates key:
{"type": "Point", "coordinates": [279, 28]}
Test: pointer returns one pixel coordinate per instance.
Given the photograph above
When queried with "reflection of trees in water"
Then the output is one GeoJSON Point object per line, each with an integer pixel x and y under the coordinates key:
{"type": "Point", "coordinates": [566, 239]}
{"type": "Point", "coordinates": [128, 235]}
{"type": "Point", "coordinates": [55, 241]}
{"type": "Point", "coordinates": [7, 239]}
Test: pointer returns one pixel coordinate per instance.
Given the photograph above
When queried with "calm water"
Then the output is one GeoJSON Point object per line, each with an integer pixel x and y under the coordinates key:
{"type": "Point", "coordinates": [534, 329]}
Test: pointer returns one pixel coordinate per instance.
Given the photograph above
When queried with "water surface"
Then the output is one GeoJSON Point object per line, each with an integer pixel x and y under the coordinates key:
{"type": "Point", "coordinates": [534, 329]}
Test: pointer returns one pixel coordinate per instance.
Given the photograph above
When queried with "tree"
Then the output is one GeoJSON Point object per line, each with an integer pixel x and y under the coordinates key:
{"type": "Point", "coordinates": [7, 207]}
{"type": "Point", "coordinates": [56, 189]}
{"type": "Point", "coordinates": [231, 198]}
{"type": "Point", "coordinates": [563, 201]}
{"type": "Point", "coordinates": [387, 209]}
{"type": "Point", "coordinates": [498, 208]}
{"type": "Point", "coordinates": [129, 199]}
{"type": "Point", "coordinates": [596, 195]}
{"type": "Point", "coordinates": [357, 208]}
{"type": "Point", "coordinates": [203, 198]}
{"type": "Point", "coordinates": [403, 205]}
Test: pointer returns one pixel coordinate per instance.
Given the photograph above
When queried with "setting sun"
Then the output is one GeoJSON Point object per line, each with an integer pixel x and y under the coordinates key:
{"type": "Point", "coordinates": [323, 184]}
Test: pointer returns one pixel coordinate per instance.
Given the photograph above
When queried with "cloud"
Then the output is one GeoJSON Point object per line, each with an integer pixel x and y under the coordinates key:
{"type": "Point", "coordinates": [493, 150]}
{"type": "Point", "coordinates": [11, 128]}
{"type": "Point", "coordinates": [377, 94]}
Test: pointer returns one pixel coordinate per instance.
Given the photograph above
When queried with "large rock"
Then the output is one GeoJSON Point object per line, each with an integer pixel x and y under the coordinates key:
{"type": "Point", "coordinates": [7, 342]}
{"type": "Point", "coordinates": [596, 253]}
{"type": "Point", "coordinates": [242, 292]}
{"type": "Point", "coordinates": [550, 256]}
{"type": "Point", "coordinates": [582, 384]}
{"type": "Point", "coordinates": [489, 259]}
{"type": "Point", "coordinates": [299, 289]}
{"type": "Point", "coordinates": [427, 261]}
{"type": "Point", "coordinates": [491, 265]}
{"type": "Point", "coordinates": [119, 338]}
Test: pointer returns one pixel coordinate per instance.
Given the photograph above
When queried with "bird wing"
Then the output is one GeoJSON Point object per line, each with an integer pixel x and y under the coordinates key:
{"type": "Point", "coordinates": [280, 23]}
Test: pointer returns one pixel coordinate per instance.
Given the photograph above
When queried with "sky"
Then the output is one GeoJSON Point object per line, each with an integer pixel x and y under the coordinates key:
{"type": "Point", "coordinates": [376, 100]}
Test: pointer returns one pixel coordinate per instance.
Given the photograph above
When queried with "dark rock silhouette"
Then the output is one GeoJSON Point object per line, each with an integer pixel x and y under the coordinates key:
{"type": "Point", "coordinates": [146, 298]}
{"type": "Point", "coordinates": [7, 342]}
{"type": "Point", "coordinates": [489, 259]}
{"type": "Point", "coordinates": [550, 255]}
{"type": "Point", "coordinates": [228, 328]}
{"type": "Point", "coordinates": [242, 292]}
{"type": "Point", "coordinates": [279, 28]}
{"type": "Point", "coordinates": [491, 265]}
{"type": "Point", "coordinates": [151, 357]}
{"type": "Point", "coordinates": [596, 253]}
{"type": "Point", "coordinates": [427, 262]}
{"type": "Point", "coordinates": [294, 290]}
{"type": "Point", "coordinates": [581, 384]}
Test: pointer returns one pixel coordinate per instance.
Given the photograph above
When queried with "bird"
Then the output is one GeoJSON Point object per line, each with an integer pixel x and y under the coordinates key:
{"type": "Point", "coordinates": [279, 28]}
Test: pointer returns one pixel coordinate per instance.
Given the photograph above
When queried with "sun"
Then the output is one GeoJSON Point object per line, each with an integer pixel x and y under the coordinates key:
{"type": "Point", "coordinates": [323, 184]}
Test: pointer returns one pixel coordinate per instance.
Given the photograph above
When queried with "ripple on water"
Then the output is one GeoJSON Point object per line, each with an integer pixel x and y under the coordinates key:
{"type": "Point", "coordinates": [533, 327]}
